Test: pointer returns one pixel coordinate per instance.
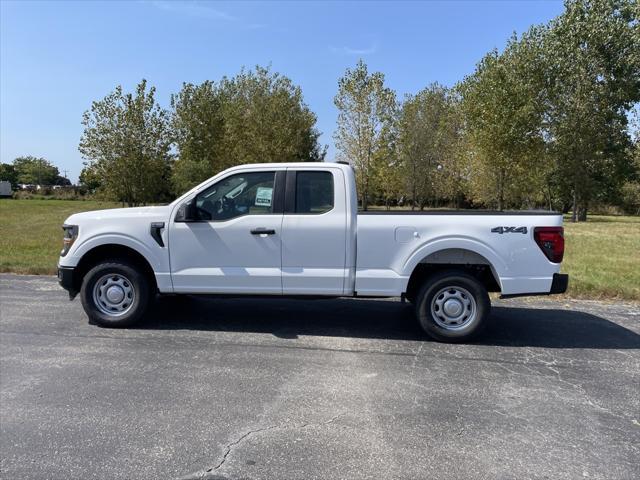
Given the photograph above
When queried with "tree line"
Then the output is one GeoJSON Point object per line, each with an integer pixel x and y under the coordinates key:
{"type": "Point", "coordinates": [137, 152]}
{"type": "Point", "coordinates": [31, 170]}
{"type": "Point", "coordinates": [544, 123]}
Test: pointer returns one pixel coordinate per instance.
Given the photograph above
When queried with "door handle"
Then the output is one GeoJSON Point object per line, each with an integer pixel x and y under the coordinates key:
{"type": "Point", "coordinates": [262, 231]}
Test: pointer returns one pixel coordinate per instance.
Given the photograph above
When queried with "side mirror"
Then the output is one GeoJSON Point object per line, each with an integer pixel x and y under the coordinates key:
{"type": "Point", "coordinates": [187, 212]}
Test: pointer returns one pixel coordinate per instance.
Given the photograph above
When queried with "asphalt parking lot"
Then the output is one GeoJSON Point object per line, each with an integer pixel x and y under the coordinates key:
{"type": "Point", "coordinates": [288, 389]}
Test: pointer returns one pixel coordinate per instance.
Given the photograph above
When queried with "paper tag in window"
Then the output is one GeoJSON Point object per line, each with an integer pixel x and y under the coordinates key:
{"type": "Point", "coordinates": [263, 196]}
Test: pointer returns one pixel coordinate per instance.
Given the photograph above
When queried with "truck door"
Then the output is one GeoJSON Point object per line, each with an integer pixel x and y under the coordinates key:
{"type": "Point", "coordinates": [314, 232]}
{"type": "Point", "coordinates": [234, 246]}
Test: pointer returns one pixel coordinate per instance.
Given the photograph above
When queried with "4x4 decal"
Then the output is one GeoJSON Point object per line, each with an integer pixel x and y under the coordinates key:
{"type": "Point", "coordinates": [502, 230]}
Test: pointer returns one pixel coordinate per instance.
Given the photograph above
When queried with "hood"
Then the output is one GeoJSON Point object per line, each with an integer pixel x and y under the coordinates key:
{"type": "Point", "coordinates": [120, 213]}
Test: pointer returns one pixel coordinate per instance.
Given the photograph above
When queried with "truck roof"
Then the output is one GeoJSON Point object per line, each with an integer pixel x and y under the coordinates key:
{"type": "Point", "coordinates": [340, 165]}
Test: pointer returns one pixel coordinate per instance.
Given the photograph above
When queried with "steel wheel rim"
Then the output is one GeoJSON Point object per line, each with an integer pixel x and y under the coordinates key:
{"type": "Point", "coordinates": [113, 295]}
{"type": "Point", "coordinates": [453, 308]}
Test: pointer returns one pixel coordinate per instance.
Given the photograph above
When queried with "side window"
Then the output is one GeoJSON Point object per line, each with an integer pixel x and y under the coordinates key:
{"type": "Point", "coordinates": [314, 192]}
{"type": "Point", "coordinates": [237, 195]}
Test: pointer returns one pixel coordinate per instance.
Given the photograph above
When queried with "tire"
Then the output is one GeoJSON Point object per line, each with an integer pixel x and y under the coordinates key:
{"type": "Point", "coordinates": [453, 307]}
{"type": "Point", "coordinates": [115, 294]}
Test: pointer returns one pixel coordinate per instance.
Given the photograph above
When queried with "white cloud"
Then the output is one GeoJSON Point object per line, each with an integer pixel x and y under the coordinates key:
{"type": "Point", "coordinates": [256, 26]}
{"type": "Point", "coordinates": [193, 9]}
{"type": "Point", "coordinates": [355, 51]}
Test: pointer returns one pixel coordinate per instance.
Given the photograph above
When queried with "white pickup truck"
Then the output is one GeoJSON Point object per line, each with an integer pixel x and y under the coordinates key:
{"type": "Point", "coordinates": [293, 229]}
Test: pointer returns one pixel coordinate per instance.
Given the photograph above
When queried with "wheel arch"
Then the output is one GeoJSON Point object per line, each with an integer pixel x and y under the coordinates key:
{"type": "Point", "coordinates": [467, 260]}
{"type": "Point", "coordinates": [113, 251]}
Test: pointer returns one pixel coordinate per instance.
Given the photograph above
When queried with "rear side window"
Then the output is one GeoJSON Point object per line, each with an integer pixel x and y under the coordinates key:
{"type": "Point", "coordinates": [314, 192]}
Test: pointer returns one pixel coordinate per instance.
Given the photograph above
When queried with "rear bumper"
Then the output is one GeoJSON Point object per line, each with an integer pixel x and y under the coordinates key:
{"type": "Point", "coordinates": [66, 279]}
{"type": "Point", "coordinates": [559, 284]}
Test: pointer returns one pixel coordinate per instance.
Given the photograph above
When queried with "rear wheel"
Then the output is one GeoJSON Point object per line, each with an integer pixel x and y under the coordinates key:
{"type": "Point", "coordinates": [115, 294]}
{"type": "Point", "coordinates": [452, 306]}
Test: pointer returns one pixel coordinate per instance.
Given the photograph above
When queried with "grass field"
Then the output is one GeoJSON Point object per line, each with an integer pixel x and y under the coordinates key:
{"type": "Point", "coordinates": [31, 233]}
{"type": "Point", "coordinates": [602, 255]}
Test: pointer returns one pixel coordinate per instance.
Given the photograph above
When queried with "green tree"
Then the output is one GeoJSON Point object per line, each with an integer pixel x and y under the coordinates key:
{"type": "Point", "coordinates": [504, 114]}
{"type": "Point", "coordinates": [258, 116]}
{"type": "Point", "coordinates": [199, 132]}
{"type": "Point", "coordinates": [127, 141]}
{"type": "Point", "coordinates": [630, 191]}
{"type": "Point", "coordinates": [453, 171]}
{"type": "Point", "coordinates": [8, 173]}
{"type": "Point", "coordinates": [426, 145]}
{"type": "Point", "coordinates": [90, 178]}
{"type": "Point", "coordinates": [365, 109]}
{"type": "Point", "coordinates": [387, 181]}
{"type": "Point", "coordinates": [266, 120]}
{"type": "Point", "coordinates": [593, 61]}
{"type": "Point", "coordinates": [64, 181]}
{"type": "Point", "coordinates": [35, 171]}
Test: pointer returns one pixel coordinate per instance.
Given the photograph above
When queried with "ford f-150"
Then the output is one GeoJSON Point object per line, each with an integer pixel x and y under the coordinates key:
{"type": "Point", "coordinates": [293, 229]}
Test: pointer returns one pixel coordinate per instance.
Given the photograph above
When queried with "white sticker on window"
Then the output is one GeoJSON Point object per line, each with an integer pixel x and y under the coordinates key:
{"type": "Point", "coordinates": [263, 196]}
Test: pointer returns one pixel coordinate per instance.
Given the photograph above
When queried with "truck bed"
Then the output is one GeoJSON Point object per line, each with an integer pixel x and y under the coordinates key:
{"type": "Point", "coordinates": [460, 212]}
{"type": "Point", "coordinates": [390, 244]}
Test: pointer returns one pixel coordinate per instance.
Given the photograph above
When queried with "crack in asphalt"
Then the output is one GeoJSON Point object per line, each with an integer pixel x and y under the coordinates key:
{"type": "Point", "coordinates": [201, 474]}
{"type": "Point", "coordinates": [555, 368]}
{"type": "Point", "coordinates": [552, 366]}
{"type": "Point", "coordinates": [230, 446]}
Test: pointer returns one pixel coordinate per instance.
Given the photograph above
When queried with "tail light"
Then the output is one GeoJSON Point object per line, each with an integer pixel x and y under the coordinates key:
{"type": "Point", "coordinates": [551, 242]}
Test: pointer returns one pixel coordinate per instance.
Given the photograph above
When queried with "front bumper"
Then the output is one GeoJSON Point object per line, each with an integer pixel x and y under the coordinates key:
{"type": "Point", "coordinates": [66, 279]}
{"type": "Point", "coordinates": [559, 284]}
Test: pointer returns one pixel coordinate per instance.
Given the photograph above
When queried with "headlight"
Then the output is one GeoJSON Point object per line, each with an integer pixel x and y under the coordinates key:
{"type": "Point", "coordinates": [70, 235]}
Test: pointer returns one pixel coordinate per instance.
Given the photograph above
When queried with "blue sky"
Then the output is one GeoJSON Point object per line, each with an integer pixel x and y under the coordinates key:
{"type": "Point", "coordinates": [57, 57]}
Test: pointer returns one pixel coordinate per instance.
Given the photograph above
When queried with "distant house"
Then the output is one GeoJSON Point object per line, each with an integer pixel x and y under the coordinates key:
{"type": "Point", "coordinates": [5, 189]}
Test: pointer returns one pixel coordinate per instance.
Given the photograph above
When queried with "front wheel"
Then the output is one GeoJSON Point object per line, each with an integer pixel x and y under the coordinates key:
{"type": "Point", "coordinates": [453, 307]}
{"type": "Point", "coordinates": [114, 294]}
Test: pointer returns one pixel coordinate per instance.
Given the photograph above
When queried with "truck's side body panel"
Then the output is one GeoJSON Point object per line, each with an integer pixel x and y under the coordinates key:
{"type": "Point", "coordinates": [390, 247]}
{"type": "Point", "coordinates": [127, 227]}
{"type": "Point", "coordinates": [332, 251]}
{"type": "Point", "coordinates": [224, 256]}
{"type": "Point", "coordinates": [351, 239]}
{"type": "Point", "coordinates": [313, 245]}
